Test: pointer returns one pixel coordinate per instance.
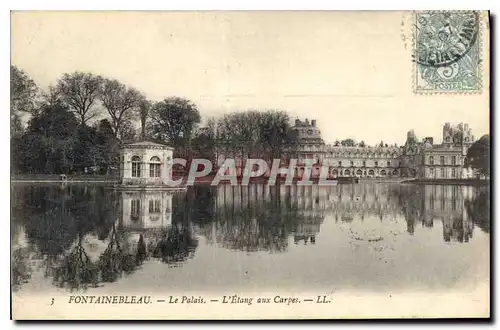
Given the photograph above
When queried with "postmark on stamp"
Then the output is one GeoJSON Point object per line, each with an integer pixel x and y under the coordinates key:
{"type": "Point", "coordinates": [447, 54]}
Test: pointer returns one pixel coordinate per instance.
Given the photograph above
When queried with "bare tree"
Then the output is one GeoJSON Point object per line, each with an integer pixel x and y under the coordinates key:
{"type": "Point", "coordinates": [143, 111]}
{"type": "Point", "coordinates": [121, 102]}
{"type": "Point", "coordinates": [51, 96]}
{"type": "Point", "coordinates": [80, 91]}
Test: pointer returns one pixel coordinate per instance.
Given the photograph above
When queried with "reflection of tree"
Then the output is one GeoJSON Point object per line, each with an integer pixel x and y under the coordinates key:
{"type": "Point", "coordinates": [478, 209]}
{"type": "Point", "coordinates": [246, 222]}
{"type": "Point", "coordinates": [458, 231]}
{"type": "Point", "coordinates": [20, 267]}
{"type": "Point", "coordinates": [76, 270]}
{"type": "Point", "coordinates": [56, 220]}
{"type": "Point", "coordinates": [117, 259]}
{"type": "Point", "coordinates": [411, 200]}
{"type": "Point", "coordinates": [174, 244]}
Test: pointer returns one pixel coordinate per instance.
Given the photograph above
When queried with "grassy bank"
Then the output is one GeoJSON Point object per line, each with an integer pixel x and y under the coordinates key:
{"type": "Point", "coordinates": [57, 178]}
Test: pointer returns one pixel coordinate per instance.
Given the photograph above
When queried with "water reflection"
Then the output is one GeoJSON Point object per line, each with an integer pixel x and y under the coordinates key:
{"type": "Point", "coordinates": [82, 236]}
{"type": "Point", "coordinates": [457, 207]}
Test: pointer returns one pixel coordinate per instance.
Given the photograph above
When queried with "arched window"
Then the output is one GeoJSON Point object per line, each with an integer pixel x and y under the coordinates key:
{"type": "Point", "coordinates": [382, 173]}
{"type": "Point", "coordinates": [136, 166]}
{"type": "Point", "coordinates": [154, 167]}
{"type": "Point", "coordinates": [347, 173]}
{"type": "Point", "coordinates": [359, 172]}
{"type": "Point", "coordinates": [371, 172]}
{"type": "Point", "coordinates": [395, 172]}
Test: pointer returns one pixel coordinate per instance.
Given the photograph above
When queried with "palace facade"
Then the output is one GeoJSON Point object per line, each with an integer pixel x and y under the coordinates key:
{"type": "Point", "coordinates": [344, 161]}
{"type": "Point", "coordinates": [416, 159]}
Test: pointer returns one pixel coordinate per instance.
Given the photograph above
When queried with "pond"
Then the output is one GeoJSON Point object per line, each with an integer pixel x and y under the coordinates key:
{"type": "Point", "coordinates": [367, 237]}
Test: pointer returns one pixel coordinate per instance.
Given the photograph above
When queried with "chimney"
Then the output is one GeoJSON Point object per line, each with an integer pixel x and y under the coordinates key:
{"type": "Point", "coordinates": [313, 122]}
{"type": "Point", "coordinates": [307, 121]}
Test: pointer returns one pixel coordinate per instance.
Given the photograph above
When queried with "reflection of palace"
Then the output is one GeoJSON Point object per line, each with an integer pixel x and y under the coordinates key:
{"type": "Point", "coordinates": [149, 221]}
{"type": "Point", "coordinates": [445, 203]}
{"type": "Point", "coordinates": [143, 210]}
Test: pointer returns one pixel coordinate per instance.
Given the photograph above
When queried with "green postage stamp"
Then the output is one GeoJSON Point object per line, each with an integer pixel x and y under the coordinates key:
{"type": "Point", "coordinates": [447, 52]}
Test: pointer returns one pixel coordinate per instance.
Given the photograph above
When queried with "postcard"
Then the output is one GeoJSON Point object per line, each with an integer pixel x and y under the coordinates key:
{"type": "Point", "coordinates": [250, 165]}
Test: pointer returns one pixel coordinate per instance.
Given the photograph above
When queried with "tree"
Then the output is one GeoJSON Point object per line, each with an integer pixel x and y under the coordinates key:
{"type": "Point", "coordinates": [121, 102]}
{"type": "Point", "coordinates": [51, 96]}
{"type": "Point", "coordinates": [173, 120]}
{"type": "Point", "coordinates": [478, 156]}
{"type": "Point", "coordinates": [80, 90]}
{"type": "Point", "coordinates": [23, 91]}
{"type": "Point", "coordinates": [348, 143]}
{"type": "Point", "coordinates": [362, 144]}
{"type": "Point", "coordinates": [47, 145]}
{"type": "Point", "coordinates": [143, 110]}
{"type": "Point", "coordinates": [381, 144]}
{"type": "Point", "coordinates": [274, 132]}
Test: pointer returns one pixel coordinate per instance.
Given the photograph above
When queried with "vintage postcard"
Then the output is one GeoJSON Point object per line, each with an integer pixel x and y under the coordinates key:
{"type": "Point", "coordinates": [222, 165]}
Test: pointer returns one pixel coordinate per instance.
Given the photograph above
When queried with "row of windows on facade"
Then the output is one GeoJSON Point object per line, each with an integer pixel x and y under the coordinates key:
{"type": "Point", "coordinates": [154, 167]}
{"type": "Point", "coordinates": [443, 172]}
{"type": "Point", "coordinates": [442, 160]}
{"type": "Point", "coordinates": [357, 155]}
{"type": "Point", "coordinates": [135, 206]}
{"type": "Point", "coordinates": [360, 172]}
{"type": "Point", "coordinates": [376, 163]}
{"type": "Point", "coordinates": [443, 205]}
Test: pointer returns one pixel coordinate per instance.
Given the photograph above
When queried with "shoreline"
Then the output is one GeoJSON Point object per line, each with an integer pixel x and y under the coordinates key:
{"type": "Point", "coordinates": [460, 182]}
{"type": "Point", "coordinates": [474, 182]}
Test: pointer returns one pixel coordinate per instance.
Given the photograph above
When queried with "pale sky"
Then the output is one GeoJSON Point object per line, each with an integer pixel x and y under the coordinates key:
{"type": "Point", "coordinates": [351, 71]}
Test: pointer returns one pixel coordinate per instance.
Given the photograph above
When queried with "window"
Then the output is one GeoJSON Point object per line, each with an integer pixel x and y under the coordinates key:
{"type": "Point", "coordinates": [364, 163]}
{"type": "Point", "coordinates": [376, 163]}
{"type": "Point", "coordinates": [135, 209]}
{"type": "Point", "coordinates": [431, 171]}
{"type": "Point", "coordinates": [136, 166]}
{"type": "Point", "coordinates": [388, 163]}
{"type": "Point", "coordinates": [453, 173]}
{"type": "Point", "coordinates": [453, 160]}
{"type": "Point", "coordinates": [340, 163]}
{"type": "Point", "coordinates": [442, 172]}
{"type": "Point", "coordinates": [441, 160]}
{"type": "Point", "coordinates": [154, 206]}
{"type": "Point", "coordinates": [154, 167]}
{"type": "Point", "coordinates": [431, 160]}
{"type": "Point", "coordinates": [352, 163]}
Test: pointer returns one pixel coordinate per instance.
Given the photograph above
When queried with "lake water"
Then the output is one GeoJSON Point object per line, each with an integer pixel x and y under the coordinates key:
{"type": "Point", "coordinates": [365, 237]}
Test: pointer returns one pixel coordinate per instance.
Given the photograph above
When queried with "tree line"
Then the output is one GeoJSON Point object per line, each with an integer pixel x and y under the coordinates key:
{"type": "Point", "coordinates": [80, 122]}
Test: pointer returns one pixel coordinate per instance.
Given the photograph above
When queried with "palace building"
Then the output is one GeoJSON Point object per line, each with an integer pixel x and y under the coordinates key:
{"type": "Point", "coordinates": [145, 163]}
{"type": "Point", "coordinates": [421, 160]}
{"type": "Point", "coordinates": [446, 160]}
{"type": "Point", "coordinates": [343, 161]}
